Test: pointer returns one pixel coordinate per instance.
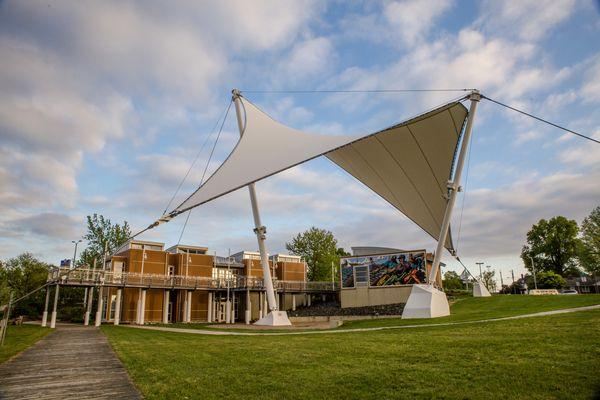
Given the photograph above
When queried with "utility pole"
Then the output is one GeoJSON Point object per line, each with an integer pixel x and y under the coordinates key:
{"type": "Point", "coordinates": [75, 252]}
{"type": "Point", "coordinates": [501, 280]}
{"type": "Point", "coordinates": [534, 276]}
{"type": "Point", "coordinates": [512, 274]}
{"type": "Point", "coordinates": [480, 274]}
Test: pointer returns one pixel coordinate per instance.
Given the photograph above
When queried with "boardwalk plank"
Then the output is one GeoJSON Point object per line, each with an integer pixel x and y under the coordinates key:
{"type": "Point", "coordinates": [73, 362]}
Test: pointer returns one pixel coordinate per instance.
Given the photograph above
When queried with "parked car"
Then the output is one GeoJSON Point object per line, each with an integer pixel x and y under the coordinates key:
{"type": "Point", "coordinates": [569, 291]}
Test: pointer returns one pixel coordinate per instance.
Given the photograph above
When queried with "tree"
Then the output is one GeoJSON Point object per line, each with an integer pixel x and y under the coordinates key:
{"type": "Point", "coordinates": [102, 232]}
{"type": "Point", "coordinates": [553, 246]}
{"type": "Point", "coordinates": [488, 279]}
{"type": "Point", "coordinates": [319, 249]}
{"type": "Point", "coordinates": [589, 249]}
{"type": "Point", "coordinates": [546, 280]}
{"type": "Point", "coordinates": [21, 275]}
{"type": "Point", "coordinates": [452, 281]}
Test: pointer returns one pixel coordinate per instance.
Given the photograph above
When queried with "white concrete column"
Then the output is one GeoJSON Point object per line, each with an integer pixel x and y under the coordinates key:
{"type": "Point", "coordinates": [308, 299]}
{"type": "Point", "coordinates": [188, 312]}
{"type": "Point", "coordinates": [265, 305]}
{"type": "Point", "coordinates": [88, 308]}
{"type": "Point", "coordinates": [209, 317]}
{"type": "Point", "coordinates": [233, 308]}
{"type": "Point", "coordinates": [185, 306]}
{"type": "Point", "coordinates": [138, 307]}
{"type": "Point", "coordinates": [118, 307]}
{"type": "Point", "coordinates": [278, 300]}
{"type": "Point", "coordinates": [98, 319]}
{"type": "Point", "coordinates": [143, 307]}
{"type": "Point", "coordinates": [166, 295]}
{"type": "Point", "coordinates": [323, 298]}
{"type": "Point", "coordinates": [45, 315]}
{"type": "Point", "coordinates": [248, 307]}
{"type": "Point", "coordinates": [215, 310]}
{"type": "Point", "coordinates": [293, 302]}
{"type": "Point", "coordinates": [53, 317]}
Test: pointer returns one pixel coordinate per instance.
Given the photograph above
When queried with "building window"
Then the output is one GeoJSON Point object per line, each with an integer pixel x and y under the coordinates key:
{"type": "Point", "coordinates": [361, 274]}
{"type": "Point", "coordinates": [171, 270]}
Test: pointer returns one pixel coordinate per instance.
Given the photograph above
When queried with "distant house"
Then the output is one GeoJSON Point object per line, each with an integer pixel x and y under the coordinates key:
{"type": "Point", "coordinates": [584, 284]}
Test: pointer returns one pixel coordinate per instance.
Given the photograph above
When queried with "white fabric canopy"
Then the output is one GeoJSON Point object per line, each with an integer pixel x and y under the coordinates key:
{"type": "Point", "coordinates": [408, 164]}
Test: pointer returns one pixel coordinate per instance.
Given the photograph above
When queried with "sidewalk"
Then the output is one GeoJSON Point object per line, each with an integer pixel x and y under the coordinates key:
{"type": "Point", "coordinates": [75, 362]}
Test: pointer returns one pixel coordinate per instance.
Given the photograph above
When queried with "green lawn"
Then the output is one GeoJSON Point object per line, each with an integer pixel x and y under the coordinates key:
{"type": "Point", "coordinates": [535, 358]}
{"type": "Point", "coordinates": [18, 338]}
{"type": "Point", "coordinates": [464, 309]}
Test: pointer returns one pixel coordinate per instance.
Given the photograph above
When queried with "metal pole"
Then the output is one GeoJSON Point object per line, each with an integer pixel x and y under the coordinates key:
{"type": "Point", "coordinates": [454, 185]}
{"type": "Point", "coordinates": [259, 229]}
{"type": "Point", "coordinates": [512, 274]}
{"type": "Point", "coordinates": [45, 314]}
{"type": "Point", "coordinates": [75, 252]}
{"type": "Point", "coordinates": [534, 276]}
{"type": "Point", "coordinates": [480, 274]}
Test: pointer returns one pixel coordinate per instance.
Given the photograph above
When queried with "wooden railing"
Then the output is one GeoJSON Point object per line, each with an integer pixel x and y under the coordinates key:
{"type": "Point", "coordinates": [91, 277]}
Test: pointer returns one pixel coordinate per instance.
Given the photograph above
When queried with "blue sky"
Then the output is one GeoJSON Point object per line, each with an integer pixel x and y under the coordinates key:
{"type": "Point", "coordinates": [104, 105]}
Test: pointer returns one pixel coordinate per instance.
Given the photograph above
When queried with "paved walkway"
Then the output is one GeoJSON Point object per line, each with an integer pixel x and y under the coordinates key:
{"type": "Point", "coordinates": [75, 362]}
{"type": "Point", "coordinates": [379, 328]}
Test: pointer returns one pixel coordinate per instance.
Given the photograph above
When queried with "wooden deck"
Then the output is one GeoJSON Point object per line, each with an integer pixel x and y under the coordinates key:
{"type": "Point", "coordinates": [73, 362]}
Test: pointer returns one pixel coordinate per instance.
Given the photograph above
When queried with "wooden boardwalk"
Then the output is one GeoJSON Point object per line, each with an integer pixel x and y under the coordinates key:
{"type": "Point", "coordinates": [73, 362]}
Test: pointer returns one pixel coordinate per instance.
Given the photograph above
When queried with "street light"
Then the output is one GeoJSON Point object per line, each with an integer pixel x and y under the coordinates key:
{"type": "Point", "coordinates": [533, 268]}
{"type": "Point", "coordinates": [480, 264]}
{"type": "Point", "coordinates": [75, 252]}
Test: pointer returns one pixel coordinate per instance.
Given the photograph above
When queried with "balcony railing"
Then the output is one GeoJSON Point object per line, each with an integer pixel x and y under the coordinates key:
{"type": "Point", "coordinates": [91, 277]}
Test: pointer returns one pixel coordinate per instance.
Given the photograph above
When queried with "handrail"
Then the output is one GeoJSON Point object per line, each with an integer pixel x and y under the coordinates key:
{"type": "Point", "coordinates": [96, 277]}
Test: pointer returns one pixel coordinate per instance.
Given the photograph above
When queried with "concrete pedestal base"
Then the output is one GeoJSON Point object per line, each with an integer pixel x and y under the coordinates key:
{"type": "Point", "coordinates": [274, 318]}
{"type": "Point", "coordinates": [425, 301]}
{"type": "Point", "coordinates": [479, 290]}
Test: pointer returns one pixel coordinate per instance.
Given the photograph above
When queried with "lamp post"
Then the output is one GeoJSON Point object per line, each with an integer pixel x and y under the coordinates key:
{"type": "Point", "coordinates": [533, 269]}
{"type": "Point", "coordinates": [75, 252]}
{"type": "Point", "coordinates": [480, 264]}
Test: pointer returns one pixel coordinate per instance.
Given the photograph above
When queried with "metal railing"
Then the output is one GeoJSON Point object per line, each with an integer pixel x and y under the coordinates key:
{"type": "Point", "coordinates": [91, 277]}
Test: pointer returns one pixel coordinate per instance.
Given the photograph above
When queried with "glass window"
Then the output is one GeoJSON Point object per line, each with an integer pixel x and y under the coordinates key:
{"type": "Point", "coordinates": [361, 275]}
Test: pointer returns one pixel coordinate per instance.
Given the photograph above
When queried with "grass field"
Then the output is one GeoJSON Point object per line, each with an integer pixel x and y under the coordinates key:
{"type": "Point", "coordinates": [464, 309]}
{"type": "Point", "coordinates": [18, 338]}
{"type": "Point", "coordinates": [535, 358]}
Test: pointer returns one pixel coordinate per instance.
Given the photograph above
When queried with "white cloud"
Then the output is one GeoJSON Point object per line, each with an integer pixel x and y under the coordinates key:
{"type": "Point", "coordinates": [590, 89]}
{"type": "Point", "coordinates": [527, 136]}
{"type": "Point", "coordinates": [530, 19]}
{"type": "Point", "coordinates": [412, 19]}
{"type": "Point", "coordinates": [309, 58]}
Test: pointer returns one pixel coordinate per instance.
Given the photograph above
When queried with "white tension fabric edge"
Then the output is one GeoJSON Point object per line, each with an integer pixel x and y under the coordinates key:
{"type": "Point", "coordinates": [408, 164]}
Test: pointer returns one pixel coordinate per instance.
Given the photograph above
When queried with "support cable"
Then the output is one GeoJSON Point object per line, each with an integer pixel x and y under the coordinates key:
{"type": "Point", "coordinates": [356, 91]}
{"type": "Point", "coordinates": [212, 151]}
{"type": "Point", "coordinates": [542, 120]}
{"type": "Point", "coordinates": [196, 158]}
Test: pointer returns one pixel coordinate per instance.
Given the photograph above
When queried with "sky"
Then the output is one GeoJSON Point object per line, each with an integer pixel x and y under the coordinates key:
{"type": "Point", "coordinates": [104, 105]}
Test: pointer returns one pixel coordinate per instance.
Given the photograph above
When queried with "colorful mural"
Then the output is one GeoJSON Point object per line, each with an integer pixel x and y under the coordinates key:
{"type": "Point", "coordinates": [347, 274]}
{"type": "Point", "coordinates": [387, 270]}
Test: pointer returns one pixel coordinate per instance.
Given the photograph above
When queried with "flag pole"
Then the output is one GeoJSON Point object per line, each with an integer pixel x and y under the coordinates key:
{"type": "Point", "coordinates": [454, 186]}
